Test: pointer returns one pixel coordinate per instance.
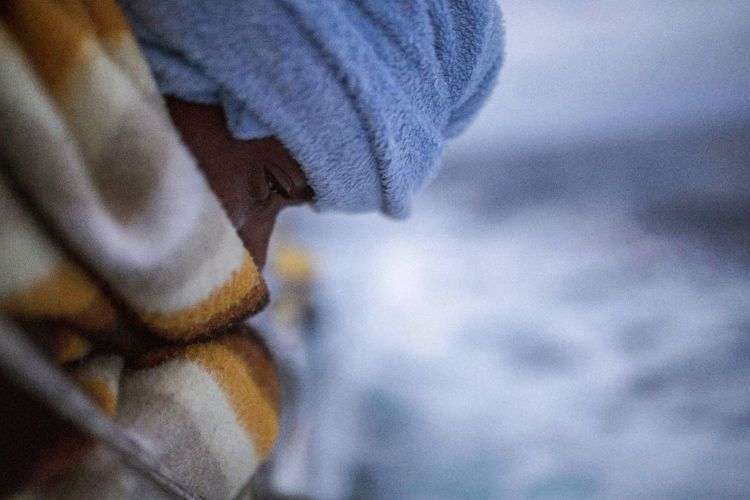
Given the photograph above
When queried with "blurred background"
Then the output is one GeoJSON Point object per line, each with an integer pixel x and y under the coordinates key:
{"type": "Point", "coordinates": [567, 312]}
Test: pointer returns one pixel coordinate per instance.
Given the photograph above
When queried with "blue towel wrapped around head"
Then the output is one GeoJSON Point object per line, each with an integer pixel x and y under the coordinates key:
{"type": "Point", "coordinates": [362, 93]}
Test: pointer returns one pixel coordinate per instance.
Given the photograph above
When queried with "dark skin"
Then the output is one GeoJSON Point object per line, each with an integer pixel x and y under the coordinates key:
{"type": "Point", "coordinates": [253, 179]}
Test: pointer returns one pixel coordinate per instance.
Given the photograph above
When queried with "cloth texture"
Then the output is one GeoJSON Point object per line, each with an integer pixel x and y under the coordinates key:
{"type": "Point", "coordinates": [112, 242]}
{"type": "Point", "coordinates": [364, 94]}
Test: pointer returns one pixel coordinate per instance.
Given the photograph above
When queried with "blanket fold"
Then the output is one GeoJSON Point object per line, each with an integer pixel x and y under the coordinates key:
{"type": "Point", "coordinates": [87, 142]}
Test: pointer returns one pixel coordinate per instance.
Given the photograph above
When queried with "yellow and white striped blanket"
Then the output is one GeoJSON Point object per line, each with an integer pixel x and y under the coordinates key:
{"type": "Point", "coordinates": [114, 252]}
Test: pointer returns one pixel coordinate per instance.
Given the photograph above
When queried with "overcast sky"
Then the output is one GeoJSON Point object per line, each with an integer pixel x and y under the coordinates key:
{"type": "Point", "coordinates": [607, 67]}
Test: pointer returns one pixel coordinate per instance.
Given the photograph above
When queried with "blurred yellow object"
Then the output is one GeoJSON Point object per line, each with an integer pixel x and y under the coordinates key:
{"type": "Point", "coordinates": [70, 346]}
{"type": "Point", "coordinates": [293, 264]}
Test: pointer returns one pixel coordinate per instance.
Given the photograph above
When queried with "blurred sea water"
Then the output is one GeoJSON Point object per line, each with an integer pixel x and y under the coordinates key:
{"type": "Point", "coordinates": [563, 352]}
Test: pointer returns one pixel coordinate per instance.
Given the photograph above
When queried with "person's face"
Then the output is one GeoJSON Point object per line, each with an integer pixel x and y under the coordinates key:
{"type": "Point", "coordinates": [254, 179]}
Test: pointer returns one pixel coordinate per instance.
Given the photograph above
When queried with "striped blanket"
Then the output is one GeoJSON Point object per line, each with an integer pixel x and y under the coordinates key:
{"type": "Point", "coordinates": [118, 260]}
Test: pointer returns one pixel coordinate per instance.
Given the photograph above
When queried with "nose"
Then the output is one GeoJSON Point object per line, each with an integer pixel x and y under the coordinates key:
{"type": "Point", "coordinates": [258, 225]}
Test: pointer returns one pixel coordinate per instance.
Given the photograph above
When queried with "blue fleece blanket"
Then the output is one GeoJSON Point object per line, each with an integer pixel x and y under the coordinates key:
{"type": "Point", "coordinates": [363, 93]}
